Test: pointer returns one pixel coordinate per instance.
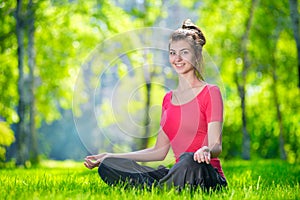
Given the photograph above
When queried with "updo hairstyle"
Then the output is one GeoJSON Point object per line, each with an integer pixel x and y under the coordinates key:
{"type": "Point", "coordinates": [194, 36]}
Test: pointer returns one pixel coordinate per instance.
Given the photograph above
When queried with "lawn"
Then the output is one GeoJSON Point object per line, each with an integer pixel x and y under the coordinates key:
{"type": "Point", "coordinates": [262, 179]}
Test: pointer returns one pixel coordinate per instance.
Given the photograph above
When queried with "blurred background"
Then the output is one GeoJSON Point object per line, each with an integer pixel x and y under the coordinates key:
{"type": "Point", "coordinates": [52, 53]}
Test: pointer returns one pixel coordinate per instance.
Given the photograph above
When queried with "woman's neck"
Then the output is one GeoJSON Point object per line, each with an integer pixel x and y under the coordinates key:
{"type": "Point", "coordinates": [188, 82]}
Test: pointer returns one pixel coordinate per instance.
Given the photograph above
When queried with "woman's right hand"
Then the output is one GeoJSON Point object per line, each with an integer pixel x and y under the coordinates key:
{"type": "Point", "coordinates": [94, 160]}
{"type": "Point", "coordinates": [202, 155]}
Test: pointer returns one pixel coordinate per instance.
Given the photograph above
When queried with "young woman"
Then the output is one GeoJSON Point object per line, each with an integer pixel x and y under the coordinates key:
{"type": "Point", "coordinates": [191, 124]}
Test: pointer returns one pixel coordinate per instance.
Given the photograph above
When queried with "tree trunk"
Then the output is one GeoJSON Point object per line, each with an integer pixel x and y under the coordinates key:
{"type": "Point", "coordinates": [275, 95]}
{"type": "Point", "coordinates": [145, 139]}
{"type": "Point", "coordinates": [241, 84]}
{"type": "Point", "coordinates": [21, 156]}
{"type": "Point", "coordinates": [246, 136]}
{"type": "Point", "coordinates": [33, 147]}
{"type": "Point", "coordinates": [295, 24]}
{"type": "Point", "coordinates": [278, 113]}
{"type": "Point", "coordinates": [147, 76]}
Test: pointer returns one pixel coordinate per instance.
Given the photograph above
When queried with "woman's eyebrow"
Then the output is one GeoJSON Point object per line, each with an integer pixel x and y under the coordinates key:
{"type": "Point", "coordinates": [184, 49]}
{"type": "Point", "coordinates": [180, 49]}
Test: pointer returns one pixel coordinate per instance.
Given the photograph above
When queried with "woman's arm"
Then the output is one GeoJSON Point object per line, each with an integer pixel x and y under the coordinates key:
{"type": "Point", "coordinates": [215, 138]}
{"type": "Point", "coordinates": [156, 153]}
{"type": "Point", "coordinates": [214, 148]}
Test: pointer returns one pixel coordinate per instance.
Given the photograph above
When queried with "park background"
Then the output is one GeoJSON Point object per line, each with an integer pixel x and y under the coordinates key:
{"type": "Point", "coordinates": [45, 44]}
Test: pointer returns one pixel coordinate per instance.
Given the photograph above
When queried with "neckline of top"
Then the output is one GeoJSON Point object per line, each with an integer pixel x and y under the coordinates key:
{"type": "Point", "coordinates": [203, 88]}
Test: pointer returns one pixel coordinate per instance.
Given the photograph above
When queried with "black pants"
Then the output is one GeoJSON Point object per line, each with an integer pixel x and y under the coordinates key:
{"type": "Point", "coordinates": [184, 173]}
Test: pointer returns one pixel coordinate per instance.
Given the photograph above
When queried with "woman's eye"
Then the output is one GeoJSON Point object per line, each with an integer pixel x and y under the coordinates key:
{"type": "Point", "coordinates": [172, 53]}
{"type": "Point", "coordinates": [184, 52]}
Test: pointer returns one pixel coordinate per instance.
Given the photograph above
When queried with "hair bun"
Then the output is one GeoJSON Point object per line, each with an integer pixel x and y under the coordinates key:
{"type": "Point", "coordinates": [188, 24]}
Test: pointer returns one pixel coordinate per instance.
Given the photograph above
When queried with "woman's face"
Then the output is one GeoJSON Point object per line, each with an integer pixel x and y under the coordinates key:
{"type": "Point", "coordinates": [182, 57]}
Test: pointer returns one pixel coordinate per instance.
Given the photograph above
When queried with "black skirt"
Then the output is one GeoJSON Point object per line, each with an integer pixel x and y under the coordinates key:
{"type": "Point", "coordinates": [185, 173]}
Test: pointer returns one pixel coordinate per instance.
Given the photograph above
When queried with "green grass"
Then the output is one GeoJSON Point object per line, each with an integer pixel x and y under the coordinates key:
{"type": "Point", "coordinates": [263, 179]}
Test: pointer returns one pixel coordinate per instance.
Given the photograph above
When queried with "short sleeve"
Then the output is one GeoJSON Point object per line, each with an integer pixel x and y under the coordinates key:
{"type": "Point", "coordinates": [165, 103]}
{"type": "Point", "coordinates": [214, 109]}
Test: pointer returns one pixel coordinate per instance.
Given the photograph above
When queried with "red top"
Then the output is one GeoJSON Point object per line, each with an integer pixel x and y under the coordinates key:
{"type": "Point", "coordinates": [186, 124]}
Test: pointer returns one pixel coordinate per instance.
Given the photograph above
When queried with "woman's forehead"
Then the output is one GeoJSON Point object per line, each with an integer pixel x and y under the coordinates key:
{"type": "Point", "coordinates": [179, 45]}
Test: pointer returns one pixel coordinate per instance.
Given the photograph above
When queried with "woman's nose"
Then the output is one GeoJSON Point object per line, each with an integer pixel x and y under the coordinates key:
{"type": "Point", "coordinates": [178, 57]}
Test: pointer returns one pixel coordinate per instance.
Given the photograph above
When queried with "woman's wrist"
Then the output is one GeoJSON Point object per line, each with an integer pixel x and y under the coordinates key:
{"type": "Point", "coordinates": [205, 149]}
{"type": "Point", "coordinates": [215, 151]}
{"type": "Point", "coordinates": [106, 155]}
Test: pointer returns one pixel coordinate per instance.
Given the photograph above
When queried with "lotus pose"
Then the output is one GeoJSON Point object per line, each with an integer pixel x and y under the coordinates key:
{"type": "Point", "coordinates": [191, 124]}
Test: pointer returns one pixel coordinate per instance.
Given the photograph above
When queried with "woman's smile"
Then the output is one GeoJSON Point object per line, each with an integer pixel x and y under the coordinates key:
{"type": "Point", "coordinates": [181, 56]}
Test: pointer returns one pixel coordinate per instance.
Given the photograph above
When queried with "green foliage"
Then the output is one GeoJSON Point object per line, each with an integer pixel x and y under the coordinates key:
{"type": "Point", "coordinates": [147, 12]}
{"type": "Point", "coordinates": [66, 32]}
{"type": "Point", "coordinates": [63, 41]}
{"type": "Point", "coordinates": [6, 138]}
{"type": "Point", "coordinates": [8, 67]}
{"type": "Point", "coordinates": [271, 47]}
{"type": "Point", "coordinates": [260, 179]}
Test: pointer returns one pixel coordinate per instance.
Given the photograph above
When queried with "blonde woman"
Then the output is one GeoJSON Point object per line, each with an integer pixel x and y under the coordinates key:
{"type": "Point", "coordinates": [191, 124]}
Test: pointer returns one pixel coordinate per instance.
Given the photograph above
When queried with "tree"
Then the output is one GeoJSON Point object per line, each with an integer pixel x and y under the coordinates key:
{"type": "Point", "coordinates": [33, 146]}
{"type": "Point", "coordinates": [39, 87]}
{"type": "Point", "coordinates": [228, 44]}
{"type": "Point", "coordinates": [21, 133]}
{"type": "Point", "coordinates": [53, 38]}
{"type": "Point", "coordinates": [148, 15]}
{"type": "Point", "coordinates": [271, 23]}
{"type": "Point", "coordinates": [241, 78]}
{"type": "Point", "coordinates": [295, 25]}
{"type": "Point", "coordinates": [26, 130]}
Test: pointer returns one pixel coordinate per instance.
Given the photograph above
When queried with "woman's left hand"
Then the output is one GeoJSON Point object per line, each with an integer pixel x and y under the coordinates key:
{"type": "Point", "coordinates": [94, 160]}
{"type": "Point", "coordinates": [202, 155]}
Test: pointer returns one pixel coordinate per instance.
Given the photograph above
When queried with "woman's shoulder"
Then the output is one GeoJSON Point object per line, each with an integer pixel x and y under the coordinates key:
{"type": "Point", "coordinates": [167, 97]}
{"type": "Point", "coordinates": [210, 90]}
{"type": "Point", "coordinates": [168, 94]}
{"type": "Point", "coordinates": [212, 86]}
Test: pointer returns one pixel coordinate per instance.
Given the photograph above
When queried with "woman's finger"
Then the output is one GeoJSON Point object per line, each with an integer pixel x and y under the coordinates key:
{"type": "Point", "coordinates": [87, 165]}
{"type": "Point", "coordinates": [202, 156]}
{"type": "Point", "coordinates": [198, 157]}
{"type": "Point", "coordinates": [89, 162]}
{"type": "Point", "coordinates": [195, 156]}
{"type": "Point", "coordinates": [92, 157]}
{"type": "Point", "coordinates": [207, 158]}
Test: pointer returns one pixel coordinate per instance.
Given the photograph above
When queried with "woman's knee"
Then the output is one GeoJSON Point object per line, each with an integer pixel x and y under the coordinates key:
{"type": "Point", "coordinates": [103, 165]}
{"type": "Point", "coordinates": [106, 166]}
{"type": "Point", "coordinates": [103, 169]}
{"type": "Point", "coordinates": [109, 172]}
{"type": "Point", "coordinates": [187, 160]}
